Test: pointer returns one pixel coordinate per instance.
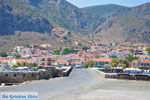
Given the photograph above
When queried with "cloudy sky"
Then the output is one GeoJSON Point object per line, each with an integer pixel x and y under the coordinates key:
{"type": "Point", "coordinates": [85, 3]}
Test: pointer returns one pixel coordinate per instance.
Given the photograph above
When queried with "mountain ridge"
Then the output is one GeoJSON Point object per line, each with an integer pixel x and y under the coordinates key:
{"type": "Point", "coordinates": [54, 19]}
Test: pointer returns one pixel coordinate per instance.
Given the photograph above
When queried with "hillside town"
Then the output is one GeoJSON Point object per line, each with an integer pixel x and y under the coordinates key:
{"type": "Point", "coordinates": [132, 57]}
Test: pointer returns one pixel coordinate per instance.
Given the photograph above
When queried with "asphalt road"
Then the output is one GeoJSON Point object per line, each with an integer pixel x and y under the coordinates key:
{"type": "Point", "coordinates": [84, 84]}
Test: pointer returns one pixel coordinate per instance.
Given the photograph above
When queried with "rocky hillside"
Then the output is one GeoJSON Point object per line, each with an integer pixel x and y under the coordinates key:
{"type": "Point", "coordinates": [126, 29]}
{"type": "Point", "coordinates": [11, 20]}
{"type": "Point", "coordinates": [142, 11]}
{"type": "Point", "coordinates": [41, 15]}
{"type": "Point", "coordinates": [40, 21]}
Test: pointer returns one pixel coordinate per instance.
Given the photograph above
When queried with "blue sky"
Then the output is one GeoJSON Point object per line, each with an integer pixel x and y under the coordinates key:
{"type": "Point", "coordinates": [85, 3]}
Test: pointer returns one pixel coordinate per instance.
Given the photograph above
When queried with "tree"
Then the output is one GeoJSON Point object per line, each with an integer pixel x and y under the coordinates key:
{"type": "Point", "coordinates": [123, 63]}
{"type": "Point", "coordinates": [57, 52]}
{"type": "Point", "coordinates": [85, 48]}
{"type": "Point", "coordinates": [42, 48]}
{"type": "Point", "coordinates": [131, 50]}
{"type": "Point", "coordinates": [14, 66]}
{"type": "Point", "coordinates": [33, 64]}
{"type": "Point", "coordinates": [68, 50]}
{"type": "Point", "coordinates": [88, 64]}
{"type": "Point", "coordinates": [28, 46]}
{"type": "Point", "coordinates": [116, 43]}
{"type": "Point", "coordinates": [3, 54]}
{"type": "Point", "coordinates": [113, 56]}
{"type": "Point", "coordinates": [19, 64]}
{"type": "Point", "coordinates": [79, 44]}
{"type": "Point", "coordinates": [18, 56]}
{"type": "Point", "coordinates": [69, 33]}
{"type": "Point", "coordinates": [116, 62]}
{"type": "Point", "coordinates": [119, 47]}
{"type": "Point", "coordinates": [148, 50]}
{"type": "Point", "coordinates": [130, 58]}
{"type": "Point", "coordinates": [24, 64]}
{"type": "Point", "coordinates": [65, 38]}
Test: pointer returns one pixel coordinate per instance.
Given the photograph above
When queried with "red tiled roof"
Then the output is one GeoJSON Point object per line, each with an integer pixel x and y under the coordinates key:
{"type": "Point", "coordinates": [76, 57]}
{"type": "Point", "coordinates": [145, 61]}
{"type": "Point", "coordinates": [102, 59]}
{"type": "Point", "coordinates": [142, 56]}
{"type": "Point", "coordinates": [76, 62]}
{"type": "Point", "coordinates": [61, 61]}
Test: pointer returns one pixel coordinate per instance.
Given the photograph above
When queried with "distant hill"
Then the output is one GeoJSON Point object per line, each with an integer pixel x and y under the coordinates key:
{"type": "Point", "coordinates": [105, 10]}
{"type": "Point", "coordinates": [124, 24]}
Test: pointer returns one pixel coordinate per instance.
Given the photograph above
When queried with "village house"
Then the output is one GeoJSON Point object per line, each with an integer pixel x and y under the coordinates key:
{"type": "Point", "coordinates": [102, 62]}
{"type": "Point", "coordinates": [138, 52]}
{"type": "Point", "coordinates": [18, 48]}
{"type": "Point", "coordinates": [61, 63]}
{"type": "Point", "coordinates": [87, 56]}
{"type": "Point", "coordinates": [36, 57]}
{"type": "Point", "coordinates": [103, 55]}
{"type": "Point", "coordinates": [26, 51]}
{"type": "Point", "coordinates": [120, 54]}
{"type": "Point", "coordinates": [47, 46]}
{"type": "Point", "coordinates": [4, 64]}
{"type": "Point", "coordinates": [45, 61]}
{"type": "Point", "coordinates": [8, 63]}
{"type": "Point", "coordinates": [34, 47]}
{"type": "Point", "coordinates": [142, 64]}
{"type": "Point", "coordinates": [76, 61]}
{"type": "Point", "coordinates": [143, 57]}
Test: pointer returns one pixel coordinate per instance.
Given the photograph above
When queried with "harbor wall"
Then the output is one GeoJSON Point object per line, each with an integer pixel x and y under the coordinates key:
{"type": "Point", "coordinates": [144, 77]}
{"type": "Point", "coordinates": [22, 76]}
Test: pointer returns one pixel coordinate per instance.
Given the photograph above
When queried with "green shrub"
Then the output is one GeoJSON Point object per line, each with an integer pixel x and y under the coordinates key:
{"type": "Point", "coordinates": [88, 64]}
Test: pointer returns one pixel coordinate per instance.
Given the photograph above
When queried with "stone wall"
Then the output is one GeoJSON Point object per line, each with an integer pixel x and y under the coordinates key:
{"type": "Point", "coordinates": [123, 76]}
{"type": "Point", "coordinates": [22, 76]}
{"type": "Point", "coordinates": [18, 77]}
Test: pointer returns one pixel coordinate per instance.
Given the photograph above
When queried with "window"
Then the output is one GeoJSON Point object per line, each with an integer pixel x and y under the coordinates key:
{"type": "Point", "coordinates": [106, 62]}
{"type": "Point", "coordinates": [15, 75]}
{"type": "Point", "coordinates": [101, 63]}
{"type": "Point", "coordinates": [24, 75]}
{"type": "Point", "coordinates": [49, 59]}
{"type": "Point", "coordinates": [96, 63]}
{"type": "Point", "coordinates": [32, 75]}
{"type": "Point", "coordinates": [6, 74]}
